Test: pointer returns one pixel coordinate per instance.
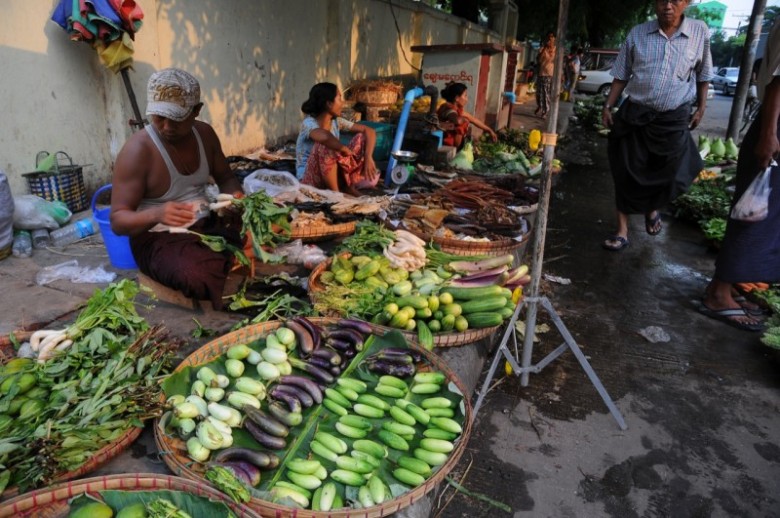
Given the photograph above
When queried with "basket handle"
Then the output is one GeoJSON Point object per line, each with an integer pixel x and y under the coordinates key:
{"type": "Point", "coordinates": [106, 187]}
{"type": "Point", "coordinates": [40, 156]}
{"type": "Point", "coordinates": [67, 156]}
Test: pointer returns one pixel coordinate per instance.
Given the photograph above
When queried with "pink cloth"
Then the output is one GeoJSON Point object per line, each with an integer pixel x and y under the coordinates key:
{"type": "Point", "coordinates": [350, 168]}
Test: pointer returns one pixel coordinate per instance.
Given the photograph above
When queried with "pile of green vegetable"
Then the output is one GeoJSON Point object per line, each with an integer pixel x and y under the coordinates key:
{"type": "Point", "coordinates": [267, 222]}
{"type": "Point", "coordinates": [55, 414]}
{"type": "Point", "coordinates": [707, 203]}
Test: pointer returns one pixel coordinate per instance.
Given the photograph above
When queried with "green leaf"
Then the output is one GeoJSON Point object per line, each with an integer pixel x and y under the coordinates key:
{"type": "Point", "coordinates": [190, 503]}
{"type": "Point", "coordinates": [178, 383]}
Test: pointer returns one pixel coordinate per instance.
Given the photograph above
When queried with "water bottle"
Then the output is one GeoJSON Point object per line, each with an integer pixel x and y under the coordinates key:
{"type": "Point", "coordinates": [40, 238]}
{"type": "Point", "coordinates": [22, 246]}
{"type": "Point", "coordinates": [73, 232]}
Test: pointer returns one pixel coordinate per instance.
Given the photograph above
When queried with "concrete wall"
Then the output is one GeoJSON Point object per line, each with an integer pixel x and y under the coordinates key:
{"type": "Point", "coordinates": [256, 61]}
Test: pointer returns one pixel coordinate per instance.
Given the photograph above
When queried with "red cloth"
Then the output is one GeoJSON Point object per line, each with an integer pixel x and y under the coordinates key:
{"type": "Point", "coordinates": [444, 113]}
{"type": "Point", "coordinates": [323, 159]}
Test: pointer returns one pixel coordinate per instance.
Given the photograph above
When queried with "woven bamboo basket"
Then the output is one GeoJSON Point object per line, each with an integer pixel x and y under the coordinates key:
{"type": "Point", "coordinates": [103, 455]}
{"type": "Point", "coordinates": [495, 247]}
{"type": "Point", "coordinates": [324, 233]}
{"type": "Point", "coordinates": [455, 339]}
{"type": "Point", "coordinates": [173, 451]}
{"type": "Point", "coordinates": [52, 502]}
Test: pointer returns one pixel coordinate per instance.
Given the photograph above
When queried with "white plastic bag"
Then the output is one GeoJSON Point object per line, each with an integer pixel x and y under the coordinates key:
{"type": "Point", "coordinates": [33, 212]}
{"type": "Point", "coordinates": [270, 181]}
{"type": "Point", "coordinates": [72, 271]}
{"type": "Point", "coordinates": [753, 205]}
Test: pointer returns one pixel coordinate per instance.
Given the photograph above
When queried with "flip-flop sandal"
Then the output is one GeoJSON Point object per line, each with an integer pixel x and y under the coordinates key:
{"type": "Point", "coordinates": [622, 242]}
{"type": "Point", "coordinates": [753, 311]}
{"type": "Point", "coordinates": [653, 225]}
{"type": "Point", "coordinates": [727, 315]}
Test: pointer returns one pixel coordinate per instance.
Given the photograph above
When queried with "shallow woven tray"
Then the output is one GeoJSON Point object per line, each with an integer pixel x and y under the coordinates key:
{"type": "Point", "coordinates": [324, 232]}
{"type": "Point", "coordinates": [314, 277]}
{"type": "Point", "coordinates": [103, 455]}
{"type": "Point", "coordinates": [178, 461]}
{"type": "Point", "coordinates": [469, 336]}
{"type": "Point", "coordinates": [497, 247]}
{"type": "Point", "coordinates": [52, 502]}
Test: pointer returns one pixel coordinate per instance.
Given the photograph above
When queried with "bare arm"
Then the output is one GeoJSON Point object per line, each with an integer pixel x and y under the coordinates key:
{"type": "Point", "coordinates": [481, 125]}
{"type": "Point", "coordinates": [329, 140]}
{"type": "Point", "coordinates": [615, 91]}
{"type": "Point", "coordinates": [768, 146]}
{"type": "Point", "coordinates": [701, 93]}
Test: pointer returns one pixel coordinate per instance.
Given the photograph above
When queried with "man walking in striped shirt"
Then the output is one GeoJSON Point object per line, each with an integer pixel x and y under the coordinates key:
{"type": "Point", "coordinates": [663, 67]}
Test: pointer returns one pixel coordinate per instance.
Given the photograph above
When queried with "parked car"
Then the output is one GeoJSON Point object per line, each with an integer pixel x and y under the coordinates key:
{"type": "Point", "coordinates": [594, 74]}
{"type": "Point", "coordinates": [725, 80]}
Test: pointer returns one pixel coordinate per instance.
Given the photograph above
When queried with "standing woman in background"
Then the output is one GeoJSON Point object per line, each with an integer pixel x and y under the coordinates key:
{"type": "Point", "coordinates": [454, 119]}
{"type": "Point", "coordinates": [546, 62]}
{"type": "Point", "coordinates": [321, 160]}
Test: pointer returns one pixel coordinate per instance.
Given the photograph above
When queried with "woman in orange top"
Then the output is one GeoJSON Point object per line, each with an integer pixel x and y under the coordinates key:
{"type": "Point", "coordinates": [454, 119]}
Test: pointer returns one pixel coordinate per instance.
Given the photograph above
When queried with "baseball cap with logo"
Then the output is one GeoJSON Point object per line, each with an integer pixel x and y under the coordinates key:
{"type": "Point", "coordinates": [172, 93]}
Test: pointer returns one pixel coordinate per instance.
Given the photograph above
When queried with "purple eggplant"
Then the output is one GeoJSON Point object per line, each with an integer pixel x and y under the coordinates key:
{"type": "Point", "coordinates": [350, 335]}
{"type": "Point", "coordinates": [416, 355]}
{"type": "Point", "coordinates": [292, 402]}
{"type": "Point", "coordinates": [340, 344]}
{"type": "Point", "coordinates": [392, 357]}
{"type": "Point", "coordinates": [328, 354]}
{"type": "Point", "coordinates": [312, 328]}
{"type": "Point", "coordinates": [322, 363]}
{"type": "Point", "coordinates": [304, 383]}
{"type": "Point", "coordinates": [394, 369]}
{"type": "Point", "coordinates": [349, 353]}
{"type": "Point", "coordinates": [296, 392]}
{"type": "Point", "coordinates": [303, 337]}
{"type": "Point", "coordinates": [357, 325]}
{"type": "Point", "coordinates": [265, 439]}
{"type": "Point", "coordinates": [251, 471]}
{"type": "Point", "coordinates": [335, 370]}
{"type": "Point", "coordinates": [262, 459]}
{"type": "Point", "coordinates": [283, 415]}
{"type": "Point", "coordinates": [319, 374]}
{"type": "Point", "coordinates": [267, 423]}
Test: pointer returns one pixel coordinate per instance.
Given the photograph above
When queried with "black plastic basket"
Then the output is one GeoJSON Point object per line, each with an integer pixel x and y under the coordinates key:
{"type": "Point", "coordinates": [65, 183]}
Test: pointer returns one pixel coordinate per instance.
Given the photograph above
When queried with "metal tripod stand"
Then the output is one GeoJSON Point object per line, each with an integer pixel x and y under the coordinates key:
{"type": "Point", "coordinates": [549, 141]}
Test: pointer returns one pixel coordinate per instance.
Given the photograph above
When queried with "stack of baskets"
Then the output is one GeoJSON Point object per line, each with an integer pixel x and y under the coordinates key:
{"type": "Point", "coordinates": [375, 95]}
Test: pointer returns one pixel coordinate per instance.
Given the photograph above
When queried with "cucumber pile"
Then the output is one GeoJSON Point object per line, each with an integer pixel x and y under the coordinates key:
{"type": "Point", "coordinates": [354, 432]}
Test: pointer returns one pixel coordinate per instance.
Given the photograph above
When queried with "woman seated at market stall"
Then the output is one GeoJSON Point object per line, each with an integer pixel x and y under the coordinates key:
{"type": "Point", "coordinates": [454, 119]}
{"type": "Point", "coordinates": [322, 161]}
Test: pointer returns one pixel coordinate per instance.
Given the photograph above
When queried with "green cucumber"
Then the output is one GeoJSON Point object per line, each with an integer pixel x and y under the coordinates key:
{"type": "Point", "coordinates": [352, 383]}
{"type": "Point", "coordinates": [402, 416]}
{"type": "Point", "coordinates": [416, 465]}
{"type": "Point", "coordinates": [334, 407]}
{"type": "Point", "coordinates": [481, 320]}
{"type": "Point", "coordinates": [399, 428]}
{"type": "Point", "coordinates": [393, 382]}
{"type": "Point", "coordinates": [393, 440]}
{"type": "Point", "coordinates": [354, 464]}
{"type": "Point", "coordinates": [336, 396]}
{"type": "Point", "coordinates": [371, 447]}
{"type": "Point", "coordinates": [425, 388]}
{"type": "Point", "coordinates": [366, 457]}
{"type": "Point", "coordinates": [346, 477]}
{"type": "Point", "coordinates": [430, 457]}
{"type": "Point", "coordinates": [430, 377]}
{"type": "Point", "coordinates": [436, 402]}
{"type": "Point", "coordinates": [294, 487]}
{"type": "Point", "coordinates": [331, 442]}
{"type": "Point", "coordinates": [446, 424]}
{"type": "Point", "coordinates": [372, 400]}
{"type": "Point", "coordinates": [436, 445]}
{"type": "Point", "coordinates": [351, 431]}
{"type": "Point", "coordinates": [355, 421]}
{"type": "Point", "coordinates": [440, 412]}
{"type": "Point", "coordinates": [438, 433]}
{"type": "Point", "coordinates": [387, 390]}
{"type": "Point", "coordinates": [303, 466]}
{"type": "Point", "coordinates": [305, 481]}
{"type": "Point", "coordinates": [368, 411]}
{"type": "Point", "coordinates": [410, 478]}
{"type": "Point", "coordinates": [348, 393]}
{"type": "Point", "coordinates": [319, 449]}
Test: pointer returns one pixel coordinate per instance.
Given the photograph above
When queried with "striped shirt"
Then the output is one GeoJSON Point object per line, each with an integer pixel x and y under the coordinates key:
{"type": "Point", "coordinates": [770, 65]}
{"type": "Point", "coordinates": [662, 71]}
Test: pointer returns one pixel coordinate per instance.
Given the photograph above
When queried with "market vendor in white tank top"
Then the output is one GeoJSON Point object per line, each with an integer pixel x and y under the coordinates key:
{"type": "Point", "coordinates": [159, 181]}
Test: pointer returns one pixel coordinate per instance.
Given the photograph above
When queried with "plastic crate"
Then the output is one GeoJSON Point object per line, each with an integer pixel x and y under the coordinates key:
{"type": "Point", "coordinates": [384, 139]}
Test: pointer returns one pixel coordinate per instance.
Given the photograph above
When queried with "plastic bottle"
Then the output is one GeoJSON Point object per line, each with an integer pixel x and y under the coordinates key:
{"type": "Point", "coordinates": [40, 238]}
{"type": "Point", "coordinates": [22, 246]}
{"type": "Point", "coordinates": [73, 232]}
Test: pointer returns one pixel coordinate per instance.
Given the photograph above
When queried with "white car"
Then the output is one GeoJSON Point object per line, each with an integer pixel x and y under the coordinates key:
{"type": "Point", "coordinates": [726, 80]}
{"type": "Point", "coordinates": [595, 82]}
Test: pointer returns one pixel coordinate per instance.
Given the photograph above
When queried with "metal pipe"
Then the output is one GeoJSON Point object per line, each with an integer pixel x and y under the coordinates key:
{"type": "Point", "coordinates": [410, 96]}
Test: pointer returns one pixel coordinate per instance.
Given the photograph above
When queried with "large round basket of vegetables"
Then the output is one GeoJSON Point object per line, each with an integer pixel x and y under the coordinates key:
{"type": "Point", "coordinates": [90, 393]}
{"type": "Point", "coordinates": [137, 494]}
{"type": "Point", "coordinates": [316, 417]}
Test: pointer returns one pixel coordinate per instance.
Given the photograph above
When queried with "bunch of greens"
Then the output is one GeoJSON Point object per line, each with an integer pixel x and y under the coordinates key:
{"type": "Point", "coordinates": [435, 257]}
{"type": "Point", "coordinates": [90, 395]}
{"type": "Point", "coordinates": [369, 239]}
{"type": "Point", "coordinates": [714, 229]}
{"type": "Point", "coordinates": [276, 306]}
{"type": "Point", "coordinates": [589, 111]}
{"type": "Point", "coordinates": [266, 222]}
{"type": "Point", "coordinates": [705, 199]}
{"type": "Point", "coordinates": [228, 484]}
{"type": "Point", "coordinates": [359, 301]}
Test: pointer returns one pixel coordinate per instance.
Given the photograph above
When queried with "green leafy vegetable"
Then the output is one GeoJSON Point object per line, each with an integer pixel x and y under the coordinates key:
{"type": "Point", "coordinates": [200, 331]}
{"type": "Point", "coordinates": [267, 223]}
{"type": "Point", "coordinates": [228, 484]}
{"type": "Point", "coordinates": [369, 239]}
{"type": "Point", "coordinates": [220, 244]}
{"type": "Point", "coordinates": [714, 229]}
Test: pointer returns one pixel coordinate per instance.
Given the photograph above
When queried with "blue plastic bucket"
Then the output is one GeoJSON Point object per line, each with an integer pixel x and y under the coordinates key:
{"type": "Point", "coordinates": [118, 246]}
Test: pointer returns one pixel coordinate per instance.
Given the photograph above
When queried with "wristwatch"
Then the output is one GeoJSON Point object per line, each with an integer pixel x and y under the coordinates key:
{"type": "Point", "coordinates": [607, 107]}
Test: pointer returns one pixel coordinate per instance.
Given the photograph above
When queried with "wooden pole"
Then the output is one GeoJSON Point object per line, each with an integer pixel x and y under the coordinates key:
{"type": "Point", "coordinates": [545, 184]}
{"type": "Point", "coordinates": [746, 68]}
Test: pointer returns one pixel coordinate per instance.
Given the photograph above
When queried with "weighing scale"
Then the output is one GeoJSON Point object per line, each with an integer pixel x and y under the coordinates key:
{"type": "Point", "coordinates": [404, 167]}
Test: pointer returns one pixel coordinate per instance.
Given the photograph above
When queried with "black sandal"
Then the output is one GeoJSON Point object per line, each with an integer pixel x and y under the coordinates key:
{"type": "Point", "coordinates": [653, 225]}
{"type": "Point", "coordinates": [622, 242]}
